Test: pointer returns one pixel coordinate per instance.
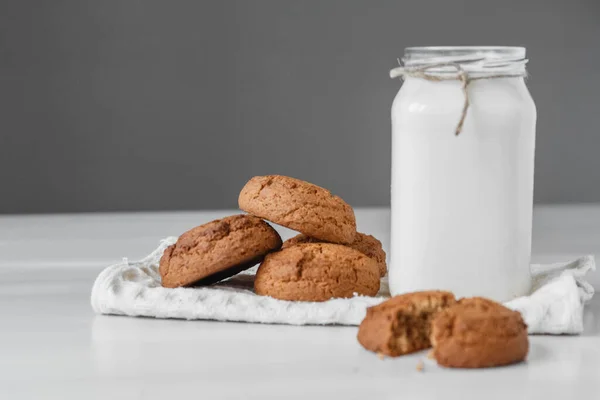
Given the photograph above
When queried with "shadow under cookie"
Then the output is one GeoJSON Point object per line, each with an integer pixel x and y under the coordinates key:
{"type": "Point", "coordinates": [228, 273]}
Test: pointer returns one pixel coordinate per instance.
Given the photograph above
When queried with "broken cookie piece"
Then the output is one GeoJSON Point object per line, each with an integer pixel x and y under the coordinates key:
{"type": "Point", "coordinates": [479, 333]}
{"type": "Point", "coordinates": [402, 324]}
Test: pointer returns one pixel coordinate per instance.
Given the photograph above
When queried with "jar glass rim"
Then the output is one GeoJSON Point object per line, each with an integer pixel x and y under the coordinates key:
{"type": "Point", "coordinates": [471, 57]}
{"type": "Point", "coordinates": [467, 48]}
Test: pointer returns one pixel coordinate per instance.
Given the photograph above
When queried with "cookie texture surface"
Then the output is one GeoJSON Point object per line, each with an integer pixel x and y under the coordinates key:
{"type": "Point", "coordinates": [299, 205]}
{"type": "Point", "coordinates": [402, 324]}
{"type": "Point", "coordinates": [217, 250]}
{"type": "Point", "coordinates": [366, 244]}
{"type": "Point", "coordinates": [479, 333]}
{"type": "Point", "coordinates": [317, 272]}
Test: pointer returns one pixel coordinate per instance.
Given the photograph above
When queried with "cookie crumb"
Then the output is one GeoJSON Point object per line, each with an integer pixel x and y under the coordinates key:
{"type": "Point", "coordinates": [430, 355]}
{"type": "Point", "coordinates": [420, 366]}
{"type": "Point", "coordinates": [381, 356]}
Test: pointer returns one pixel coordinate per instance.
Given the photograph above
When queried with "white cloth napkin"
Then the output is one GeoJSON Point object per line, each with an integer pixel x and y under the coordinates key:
{"type": "Point", "coordinates": [133, 288]}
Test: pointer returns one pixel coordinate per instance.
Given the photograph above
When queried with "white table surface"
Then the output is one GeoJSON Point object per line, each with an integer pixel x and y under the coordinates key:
{"type": "Point", "coordinates": [52, 346]}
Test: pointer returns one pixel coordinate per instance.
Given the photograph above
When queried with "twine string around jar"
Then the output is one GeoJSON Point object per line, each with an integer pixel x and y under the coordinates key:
{"type": "Point", "coordinates": [461, 75]}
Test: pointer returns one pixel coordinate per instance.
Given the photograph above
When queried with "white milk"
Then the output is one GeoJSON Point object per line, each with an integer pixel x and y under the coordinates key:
{"type": "Point", "coordinates": [462, 205]}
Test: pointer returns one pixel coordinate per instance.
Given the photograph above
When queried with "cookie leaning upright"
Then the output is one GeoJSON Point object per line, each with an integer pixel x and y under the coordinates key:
{"type": "Point", "coordinates": [301, 206]}
{"type": "Point", "coordinates": [217, 250]}
{"type": "Point", "coordinates": [316, 272]}
{"type": "Point", "coordinates": [479, 333]}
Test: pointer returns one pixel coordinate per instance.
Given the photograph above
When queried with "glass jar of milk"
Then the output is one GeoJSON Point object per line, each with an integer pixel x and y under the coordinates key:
{"type": "Point", "coordinates": [462, 191]}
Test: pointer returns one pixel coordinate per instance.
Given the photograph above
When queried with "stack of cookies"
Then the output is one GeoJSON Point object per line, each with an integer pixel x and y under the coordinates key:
{"type": "Point", "coordinates": [328, 259]}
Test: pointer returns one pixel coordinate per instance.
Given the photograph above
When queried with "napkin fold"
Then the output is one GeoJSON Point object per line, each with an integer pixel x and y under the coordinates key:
{"type": "Point", "coordinates": [555, 306]}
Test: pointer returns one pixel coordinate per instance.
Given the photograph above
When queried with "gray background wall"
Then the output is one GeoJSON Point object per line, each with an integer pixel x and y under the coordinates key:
{"type": "Point", "coordinates": [148, 105]}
